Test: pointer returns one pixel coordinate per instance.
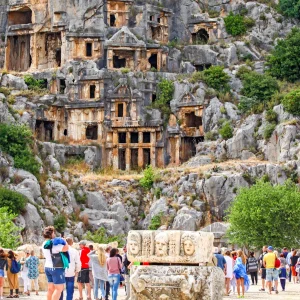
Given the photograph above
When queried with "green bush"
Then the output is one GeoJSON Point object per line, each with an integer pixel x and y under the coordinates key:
{"type": "Point", "coordinates": [15, 202]}
{"type": "Point", "coordinates": [259, 86]}
{"type": "Point", "coordinates": [60, 222]}
{"type": "Point", "coordinates": [148, 178]}
{"type": "Point", "coordinates": [291, 102]}
{"type": "Point", "coordinates": [237, 24]}
{"type": "Point", "coordinates": [216, 78]}
{"type": "Point", "coordinates": [10, 233]}
{"type": "Point", "coordinates": [271, 116]}
{"type": "Point", "coordinates": [155, 222]}
{"type": "Point", "coordinates": [17, 140]}
{"type": "Point", "coordinates": [284, 60]}
{"type": "Point", "coordinates": [81, 199]}
{"type": "Point", "coordinates": [100, 236]}
{"type": "Point", "coordinates": [196, 77]}
{"type": "Point", "coordinates": [270, 127]}
{"type": "Point", "coordinates": [290, 8]}
{"type": "Point", "coordinates": [34, 84]}
{"type": "Point", "coordinates": [226, 131]}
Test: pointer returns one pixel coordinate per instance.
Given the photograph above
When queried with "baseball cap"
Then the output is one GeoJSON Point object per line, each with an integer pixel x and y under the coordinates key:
{"type": "Point", "coordinates": [82, 243]}
{"type": "Point", "coordinates": [270, 248]}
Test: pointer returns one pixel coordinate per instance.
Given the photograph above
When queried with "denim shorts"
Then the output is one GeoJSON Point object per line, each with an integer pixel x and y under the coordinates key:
{"type": "Point", "coordinates": [55, 275]}
{"type": "Point", "coordinates": [271, 274]}
{"type": "Point", "coordinates": [1, 273]}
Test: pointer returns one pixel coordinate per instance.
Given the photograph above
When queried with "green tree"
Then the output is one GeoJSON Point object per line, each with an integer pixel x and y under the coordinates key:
{"type": "Point", "coordinates": [156, 222]}
{"type": "Point", "coordinates": [17, 140]}
{"type": "Point", "coordinates": [216, 78]}
{"type": "Point", "coordinates": [148, 179]}
{"type": "Point", "coordinates": [100, 236]}
{"type": "Point", "coordinates": [259, 86]}
{"type": "Point", "coordinates": [284, 61]}
{"type": "Point", "coordinates": [290, 8]}
{"type": "Point", "coordinates": [60, 222]}
{"type": "Point", "coordinates": [291, 102]}
{"type": "Point", "coordinates": [265, 214]}
{"type": "Point", "coordinates": [10, 233]}
{"type": "Point", "coordinates": [13, 201]}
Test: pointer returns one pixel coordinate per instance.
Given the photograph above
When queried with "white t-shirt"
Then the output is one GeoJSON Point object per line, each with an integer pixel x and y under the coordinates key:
{"type": "Point", "coordinates": [75, 263]}
{"type": "Point", "coordinates": [47, 254]}
{"type": "Point", "coordinates": [229, 266]}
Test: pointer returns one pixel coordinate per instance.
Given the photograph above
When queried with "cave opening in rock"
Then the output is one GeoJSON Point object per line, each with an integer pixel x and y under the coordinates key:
{"type": "Point", "coordinates": [88, 49]}
{"type": "Point", "coordinates": [146, 137]}
{"type": "Point", "coordinates": [134, 155]}
{"type": "Point", "coordinates": [92, 91]}
{"type": "Point", "coordinates": [188, 147]}
{"type": "Point", "coordinates": [147, 157]}
{"type": "Point", "coordinates": [122, 137]}
{"type": "Point", "coordinates": [44, 130]}
{"type": "Point", "coordinates": [119, 62]}
{"type": "Point", "coordinates": [62, 86]}
{"type": "Point", "coordinates": [191, 120]}
{"type": "Point", "coordinates": [202, 67]}
{"type": "Point", "coordinates": [153, 61]}
{"type": "Point", "coordinates": [120, 110]}
{"type": "Point", "coordinates": [200, 37]}
{"type": "Point", "coordinates": [92, 132]}
{"type": "Point", "coordinates": [122, 159]}
{"type": "Point", "coordinates": [58, 56]}
{"type": "Point", "coordinates": [112, 20]}
{"type": "Point", "coordinates": [134, 137]}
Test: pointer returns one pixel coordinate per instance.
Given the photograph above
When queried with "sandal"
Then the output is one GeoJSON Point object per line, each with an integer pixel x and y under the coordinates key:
{"type": "Point", "coordinates": [16, 296]}
{"type": "Point", "coordinates": [10, 296]}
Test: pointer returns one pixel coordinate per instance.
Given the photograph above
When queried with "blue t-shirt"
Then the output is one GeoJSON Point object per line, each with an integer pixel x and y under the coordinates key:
{"type": "Point", "coordinates": [221, 260]}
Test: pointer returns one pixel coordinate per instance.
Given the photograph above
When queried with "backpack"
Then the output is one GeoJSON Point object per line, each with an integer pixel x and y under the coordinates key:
{"type": "Point", "coordinates": [277, 262]}
{"type": "Point", "coordinates": [15, 267]}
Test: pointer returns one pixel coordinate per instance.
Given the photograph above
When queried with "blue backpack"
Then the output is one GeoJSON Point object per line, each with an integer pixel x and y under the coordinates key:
{"type": "Point", "coordinates": [15, 267]}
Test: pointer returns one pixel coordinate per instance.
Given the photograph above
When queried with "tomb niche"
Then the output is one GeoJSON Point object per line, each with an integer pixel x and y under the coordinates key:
{"type": "Point", "coordinates": [20, 16]}
{"type": "Point", "coordinates": [118, 13]}
{"type": "Point", "coordinates": [53, 49]}
{"type": "Point", "coordinates": [200, 37]}
{"type": "Point", "coordinates": [191, 275]}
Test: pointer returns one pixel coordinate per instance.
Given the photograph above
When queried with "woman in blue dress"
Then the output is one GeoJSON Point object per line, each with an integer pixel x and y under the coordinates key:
{"type": "Point", "coordinates": [240, 273]}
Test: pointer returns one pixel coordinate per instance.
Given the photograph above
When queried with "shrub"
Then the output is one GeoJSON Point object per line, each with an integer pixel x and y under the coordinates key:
{"type": "Point", "coordinates": [290, 8]}
{"type": "Point", "coordinates": [10, 233]}
{"type": "Point", "coordinates": [196, 77]}
{"type": "Point", "coordinates": [216, 78]}
{"type": "Point", "coordinates": [100, 236]}
{"type": "Point", "coordinates": [211, 136]}
{"type": "Point", "coordinates": [34, 84]}
{"type": "Point", "coordinates": [148, 178]}
{"type": "Point", "coordinates": [16, 140]}
{"type": "Point", "coordinates": [269, 130]}
{"type": "Point", "coordinates": [284, 59]}
{"type": "Point", "coordinates": [155, 222]}
{"type": "Point", "coordinates": [60, 222]}
{"type": "Point", "coordinates": [226, 131]}
{"type": "Point", "coordinates": [259, 86]}
{"type": "Point", "coordinates": [237, 24]}
{"type": "Point", "coordinates": [291, 102]}
{"type": "Point", "coordinates": [15, 202]}
{"type": "Point", "coordinates": [271, 116]}
{"type": "Point", "coordinates": [242, 71]}
{"type": "Point", "coordinates": [80, 198]}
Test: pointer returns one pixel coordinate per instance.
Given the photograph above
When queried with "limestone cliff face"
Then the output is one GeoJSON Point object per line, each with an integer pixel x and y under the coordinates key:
{"type": "Point", "coordinates": [101, 63]}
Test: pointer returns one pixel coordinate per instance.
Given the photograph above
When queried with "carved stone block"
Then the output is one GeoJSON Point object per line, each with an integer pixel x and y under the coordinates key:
{"type": "Point", "coordinates": [172, 246]}
{"type": "Point", "coordinates": [176, 283]}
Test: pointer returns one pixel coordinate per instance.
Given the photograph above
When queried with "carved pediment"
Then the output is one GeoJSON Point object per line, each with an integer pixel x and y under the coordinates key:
{"type": "Point", "coordinates": [187, 97]}
{"type": "Point", "coordinates": [125, 38]}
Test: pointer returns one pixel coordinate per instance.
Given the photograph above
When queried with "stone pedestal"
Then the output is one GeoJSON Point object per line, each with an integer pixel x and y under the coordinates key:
{"type": "Point", "coordinates": [176, 283]}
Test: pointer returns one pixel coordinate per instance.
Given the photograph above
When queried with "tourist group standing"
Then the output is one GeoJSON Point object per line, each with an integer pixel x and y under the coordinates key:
{"type": "Point", "coordinates": [272, 266]}
{"type": "Point", "coordinates": [99, 271]}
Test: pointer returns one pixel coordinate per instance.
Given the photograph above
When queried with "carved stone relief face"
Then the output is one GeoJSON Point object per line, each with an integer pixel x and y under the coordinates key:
{"type": "Point", "coordinates": [161, 244]}
{"type": "Point", "coordinates": [189, 247]}
{"type": "Point", "coordinates": [134, 247]}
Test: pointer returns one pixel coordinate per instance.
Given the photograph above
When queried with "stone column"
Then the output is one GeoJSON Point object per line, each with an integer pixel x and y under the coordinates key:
{"type": "Point", "coordinates": [153, 149]}
{"type": "Point", "coordinates": [115, 151]}
{"type": "Point", "coordinates": [140, 151]}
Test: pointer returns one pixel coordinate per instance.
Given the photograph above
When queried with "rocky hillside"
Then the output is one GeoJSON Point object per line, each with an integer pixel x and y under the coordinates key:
{"type": "Point", "coordinates": [249, 120]}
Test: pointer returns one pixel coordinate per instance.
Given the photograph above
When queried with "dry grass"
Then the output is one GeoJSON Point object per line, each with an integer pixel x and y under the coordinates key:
{"type": "Point", "coordinates": [77, 168]}
{"type": "Point", "coordinates": [92, 176]}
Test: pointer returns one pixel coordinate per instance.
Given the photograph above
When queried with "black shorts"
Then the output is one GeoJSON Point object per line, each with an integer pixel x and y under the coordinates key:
{"type": "Point", "coordinates": [263, 273]}
{"type": "Point", "coordinates": [84, 276]}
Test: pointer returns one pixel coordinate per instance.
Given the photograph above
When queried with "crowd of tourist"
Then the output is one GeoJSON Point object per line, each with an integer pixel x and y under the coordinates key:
{"type": "Point", "coordinates": [271, 265]}
{"type": "Point", "coordinates": [100, 272]}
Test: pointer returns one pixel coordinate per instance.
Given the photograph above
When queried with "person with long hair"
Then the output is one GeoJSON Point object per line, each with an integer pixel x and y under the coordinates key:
{"type": "Point", "coordinates": [114, 266]}
{"type": "Point", "coordinates": [252, 267]}
{"type": "Point", "coordinates": [240, 273]}
{"type": "Point", "coordinates": [3, 268]}
{"type": "Point", "coordinates": [55, 275]}
{"type": "Point", "coordinates": [12, 278]}
{"type": "Point", "coordinates": [229, 272]}
{"type": "Point", "coordinates": [99, 270]}
{"type": "Point", "coordinates": [294, 260]}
